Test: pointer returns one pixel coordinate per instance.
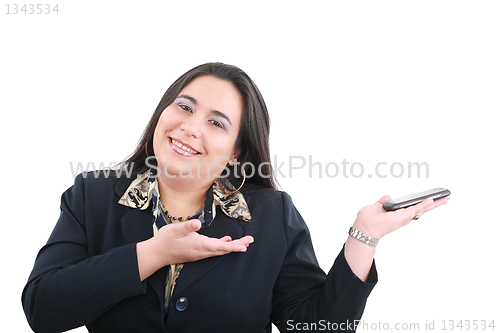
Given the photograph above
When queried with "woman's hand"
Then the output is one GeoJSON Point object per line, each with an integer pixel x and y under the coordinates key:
{"type": "Point", "coordinates": [376, 222]}
{"type": "Point", "coordinates": [179, 243]}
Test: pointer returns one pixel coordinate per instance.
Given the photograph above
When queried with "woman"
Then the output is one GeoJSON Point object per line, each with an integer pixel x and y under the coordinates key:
{"type": "Point", "coordinates": [170, 249]}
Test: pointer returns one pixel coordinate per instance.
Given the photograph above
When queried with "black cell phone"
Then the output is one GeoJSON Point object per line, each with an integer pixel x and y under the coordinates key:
{"type": "Point", "coordinates": [410, 200]}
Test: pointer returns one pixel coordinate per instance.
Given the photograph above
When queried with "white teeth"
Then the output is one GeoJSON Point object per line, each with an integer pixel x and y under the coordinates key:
{"type": "Point", "coordinates": [189, 150]}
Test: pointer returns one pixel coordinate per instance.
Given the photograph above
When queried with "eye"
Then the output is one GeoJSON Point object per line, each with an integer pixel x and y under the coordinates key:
{"type": "Point", "coordinates": [186, 107]}
{"type": "Point", "coordinates": [216, 123]}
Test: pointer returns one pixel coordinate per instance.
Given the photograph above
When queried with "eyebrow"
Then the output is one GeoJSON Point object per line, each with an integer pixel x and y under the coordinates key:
{"type": "Point", "coordinates": [192, 99]}
{"type": "Point", "coordinates": [217, 112]}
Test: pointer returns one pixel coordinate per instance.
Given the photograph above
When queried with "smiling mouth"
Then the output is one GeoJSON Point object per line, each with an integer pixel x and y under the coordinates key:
{"type": "Point", "coordinates": [179, 144]}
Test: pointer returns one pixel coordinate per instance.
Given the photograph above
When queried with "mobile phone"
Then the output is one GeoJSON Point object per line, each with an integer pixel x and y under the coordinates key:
{"type": "Point", "coordinates": [410, 200]}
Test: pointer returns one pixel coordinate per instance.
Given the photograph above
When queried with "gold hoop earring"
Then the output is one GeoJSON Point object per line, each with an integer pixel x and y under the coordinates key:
{"type": "Point", "coordinates": [243, 182]}
{"type": "Point", "coordinates": [146, 147]}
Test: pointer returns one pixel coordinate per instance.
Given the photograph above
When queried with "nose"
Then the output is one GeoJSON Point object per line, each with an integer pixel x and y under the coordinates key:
{"type": "Point", "coordinates": [192, 127]}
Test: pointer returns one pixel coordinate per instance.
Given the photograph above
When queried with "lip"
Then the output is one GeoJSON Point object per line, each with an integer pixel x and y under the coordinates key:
{"type": "Point", "coordinates": [181, 151]}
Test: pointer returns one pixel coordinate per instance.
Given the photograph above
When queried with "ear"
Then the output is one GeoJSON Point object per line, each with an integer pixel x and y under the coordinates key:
{"type": "Point", "coordinates": [235, 155]}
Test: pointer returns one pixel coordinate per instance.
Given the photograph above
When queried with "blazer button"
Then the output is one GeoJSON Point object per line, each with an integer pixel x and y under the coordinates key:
{"type": "Point", "coordinates": [181, 304]}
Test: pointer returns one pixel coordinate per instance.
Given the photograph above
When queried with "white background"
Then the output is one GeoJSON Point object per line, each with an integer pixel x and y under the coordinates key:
{"type": "Point", "coordinates": [364, 81]}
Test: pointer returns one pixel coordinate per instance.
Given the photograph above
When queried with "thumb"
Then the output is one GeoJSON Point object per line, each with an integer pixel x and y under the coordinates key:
{"type": "Point", "coordinates": [184, 228]}
{"type": "Point", "coordinates": [384, 199]}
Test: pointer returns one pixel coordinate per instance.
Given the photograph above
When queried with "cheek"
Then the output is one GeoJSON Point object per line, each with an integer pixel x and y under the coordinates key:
{"type": "Point", "coordinates": [160, 130]}
{"type": "Point", "coordinates": [164, 120]}
{"type": "Point", "coordinates": [166, 123]}
{"type": "Point", "coordinates": [222, 146]}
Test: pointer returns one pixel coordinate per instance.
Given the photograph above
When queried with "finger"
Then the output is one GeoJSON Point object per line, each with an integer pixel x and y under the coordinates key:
{"type": "Point", "coordinates": [424, 207]}
{"type": "Point", "coordinates": [410, 213]}
{"type": "Point", "coordinates": [195, 224]}
{"type": "Point", "coordinates": [427, 203]}
{"type": "Point", "coordinates": [247, 240]}
{"type": "Point", "coordinates": [430, 204]}
{"type": "Point", "coordinates": [384, 199]}
{"type": "Point", "coordinates": [438, 203]}
{"type": "Point", "coordinates": [217, 247]}
{"type": "Point", "coordinates": [184, 228]}
{"type": "Point", "coordinates": [416, 211]}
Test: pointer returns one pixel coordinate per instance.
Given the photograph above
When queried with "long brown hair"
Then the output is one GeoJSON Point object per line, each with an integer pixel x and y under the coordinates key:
{"type": "Point", "coordinates": [253, 138]}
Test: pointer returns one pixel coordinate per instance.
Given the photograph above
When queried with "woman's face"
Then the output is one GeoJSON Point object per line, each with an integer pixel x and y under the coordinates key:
{"type": "Point", "coordinates": [196, 135]}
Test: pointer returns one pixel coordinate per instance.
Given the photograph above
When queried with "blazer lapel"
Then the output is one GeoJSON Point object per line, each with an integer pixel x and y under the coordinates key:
{"type": "Point", "coordinates": [137, 226]}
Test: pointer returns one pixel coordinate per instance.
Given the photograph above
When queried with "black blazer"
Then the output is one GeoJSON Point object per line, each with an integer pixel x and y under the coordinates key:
{"type": "Point", "coordinates": [87, 272]}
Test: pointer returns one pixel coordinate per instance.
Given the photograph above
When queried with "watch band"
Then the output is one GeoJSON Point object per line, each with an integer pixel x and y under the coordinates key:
{"type": "Point", "coordinates": [363, 237]}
